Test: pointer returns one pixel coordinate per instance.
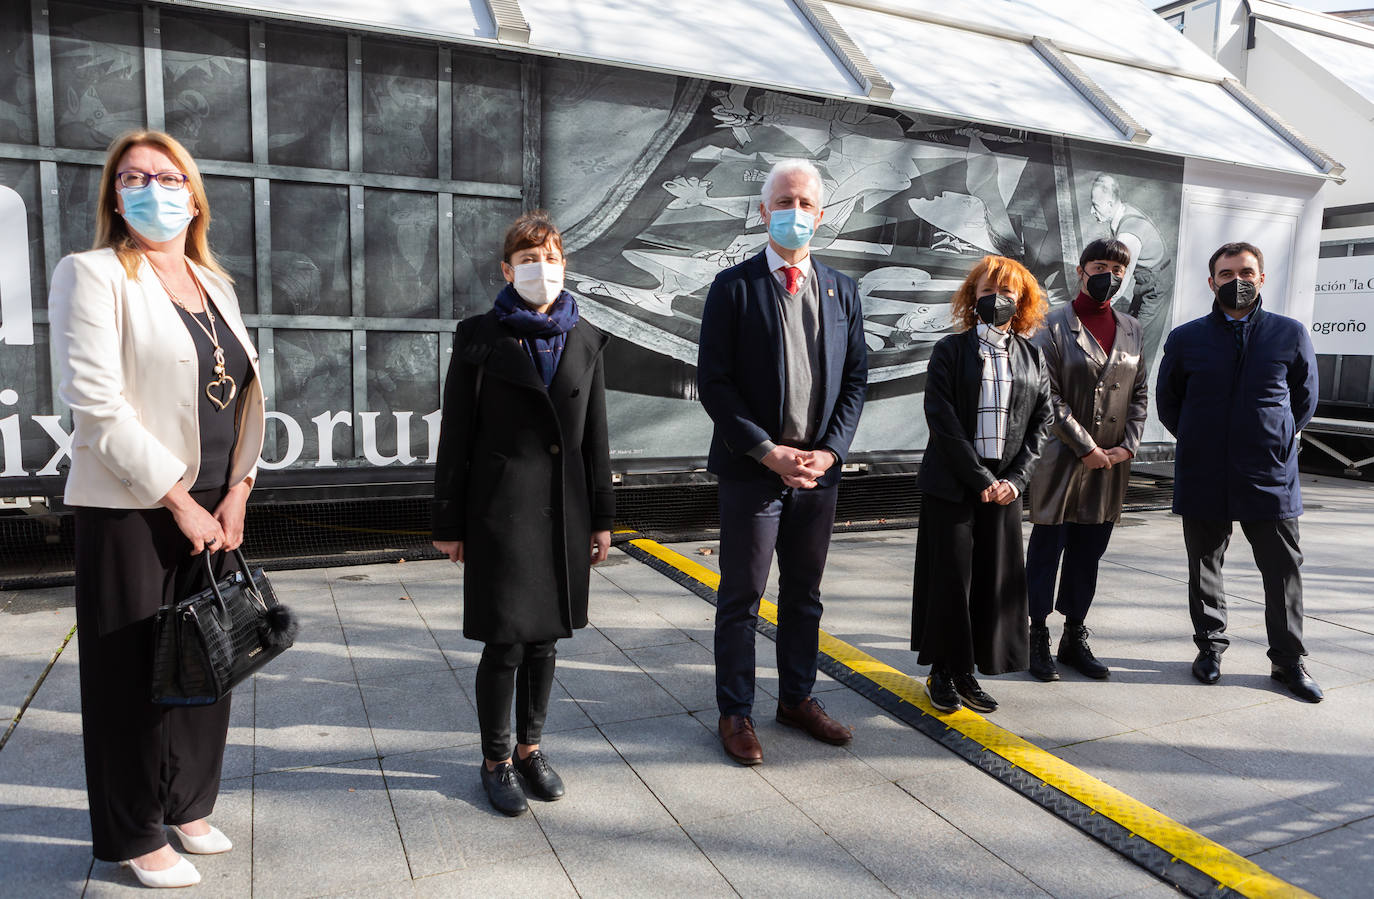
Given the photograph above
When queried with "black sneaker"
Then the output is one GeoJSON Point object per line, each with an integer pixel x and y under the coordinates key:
{"type": "Point", "coordinates": [1075, 652]}
{"type": "Point", "coordinates": [543, 782]}
{"type": "Point", "coordinates": [1041, 661]}
{"type": "Point", "coordinates": [503, 789]}
{"type": "Point", "coordinates": [974, 696]}
{"type": "Point", "coordinates": [940, 689]}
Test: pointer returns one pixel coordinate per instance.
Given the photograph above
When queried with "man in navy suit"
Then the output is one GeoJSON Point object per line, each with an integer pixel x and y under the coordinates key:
{"type": "Point", "coordinates": [782, 370]}
{"type": "Point", "coordinates": [1235, 387]}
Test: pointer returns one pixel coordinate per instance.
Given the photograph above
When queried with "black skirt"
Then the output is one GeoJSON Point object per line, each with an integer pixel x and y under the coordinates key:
{"type": "Point", "coordinates": [969, 602]}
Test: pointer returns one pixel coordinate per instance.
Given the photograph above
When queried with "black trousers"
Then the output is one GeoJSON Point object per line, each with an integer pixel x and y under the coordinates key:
{"type": "Point", "coordinates": [969, 595]}
{"type": "Point", "coordinates": [1274, 545]}
{"type": "Point", "coordinates": [1080, 546]}
{"type": "Point", "coordinates": [147, 765]}
{"type": "Point", "coordinates": [519, 671]}
{"type": "Point", "coordinates": [757, 518]}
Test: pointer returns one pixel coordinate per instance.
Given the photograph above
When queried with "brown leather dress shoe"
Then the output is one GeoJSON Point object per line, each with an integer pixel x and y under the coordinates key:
{"type": "Point", "coordinates": [809, 715]}
{"type": "Point", "coordinates": [738, 738]}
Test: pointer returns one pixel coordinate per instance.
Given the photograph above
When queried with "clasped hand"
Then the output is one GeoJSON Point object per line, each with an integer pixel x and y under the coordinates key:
{"type": "Point", "coordinates": [1100, 458]}
{"type": "Point", "coordinates": [999, 492]}
{"type": "Point", "coordinates": [798, 467]}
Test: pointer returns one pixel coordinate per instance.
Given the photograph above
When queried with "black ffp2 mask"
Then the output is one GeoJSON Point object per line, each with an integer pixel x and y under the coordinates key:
{"type": "Point", "coordinates": [1237, 294]}
{"type": "Point", "coordinates": [995, 309]}
{"type": "Point", "coordinates": [1103, 286]}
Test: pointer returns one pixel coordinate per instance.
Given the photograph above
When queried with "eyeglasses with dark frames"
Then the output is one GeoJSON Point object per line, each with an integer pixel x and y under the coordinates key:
{"type": "Point", "coordinates": [134, 179]}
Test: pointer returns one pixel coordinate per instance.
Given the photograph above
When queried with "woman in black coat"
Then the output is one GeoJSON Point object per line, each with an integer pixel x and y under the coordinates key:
{"type": "Point", "coordinates": [988, 410]}
{"type": "Point", "coordinates": [522, 495]}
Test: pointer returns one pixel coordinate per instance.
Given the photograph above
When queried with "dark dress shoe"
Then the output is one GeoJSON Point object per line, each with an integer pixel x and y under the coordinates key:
{"type": "Point", "coordinates": [1207, 666]}
{"type": "Point", "coordinates": [1298, 682]}
{"type": "Point", "coordinates": [1041, 662]}
{"type": "Point", "coordinates": [1075, 652]}
{"type": "Point", "coordinates": [809, 715]}
{"type": "Point", "coordinates": [738, 737]}
{"type": "Point", "coordinates": [503, 789]}
{"type": "Point", "coordinates": [974, 696]}
{"type": "Point", "coordinates": [940, 689]}
{"type": "Point", "coordinates": [540, 778]}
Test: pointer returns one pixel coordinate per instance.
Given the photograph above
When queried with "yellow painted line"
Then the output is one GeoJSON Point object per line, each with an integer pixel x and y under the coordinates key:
{"type": "Point", "coordinates": [1211, 858]}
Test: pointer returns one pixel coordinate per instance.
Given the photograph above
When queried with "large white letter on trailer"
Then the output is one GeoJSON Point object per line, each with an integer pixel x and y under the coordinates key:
{"type": "Point", "coordinates": [16, 303]}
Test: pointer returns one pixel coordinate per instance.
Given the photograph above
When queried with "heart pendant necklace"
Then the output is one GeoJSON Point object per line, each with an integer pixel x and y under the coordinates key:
{"type": "Point", "coordinates": [222, 389]}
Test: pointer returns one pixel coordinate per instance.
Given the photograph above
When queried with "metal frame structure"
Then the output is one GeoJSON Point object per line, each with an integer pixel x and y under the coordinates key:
{"type": "Point", "coordinates": [264, 174]}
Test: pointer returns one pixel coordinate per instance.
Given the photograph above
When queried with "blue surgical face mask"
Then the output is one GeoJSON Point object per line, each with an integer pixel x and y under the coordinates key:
{"type": "Point", "coordinates": [791, 228]}
{"type": "Point", "coordinates": [156, 212]}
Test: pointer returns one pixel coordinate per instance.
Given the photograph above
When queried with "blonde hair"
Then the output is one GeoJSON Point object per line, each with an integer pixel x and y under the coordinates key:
{"type": "Point", "coordinates": [1002, 272]}
{"type": "Point", "coordinates": [112, 232]}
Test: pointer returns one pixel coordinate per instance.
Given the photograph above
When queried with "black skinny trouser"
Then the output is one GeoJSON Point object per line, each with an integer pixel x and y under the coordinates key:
{"type": "Point", "coordinates": [519, 671]}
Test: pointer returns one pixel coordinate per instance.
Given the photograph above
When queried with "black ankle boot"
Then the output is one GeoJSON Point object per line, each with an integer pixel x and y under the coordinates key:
{"type": "Point", "coordinates": [1041, 662]}
{"type": "Point", "coordinates": [1075, 652]}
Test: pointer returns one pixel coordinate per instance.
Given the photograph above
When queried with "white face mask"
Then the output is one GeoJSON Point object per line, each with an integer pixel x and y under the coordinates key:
{"type": "Point", "coordinates": [538, 283]}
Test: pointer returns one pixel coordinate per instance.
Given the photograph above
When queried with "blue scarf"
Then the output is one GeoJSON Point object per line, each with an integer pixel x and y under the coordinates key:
{"type": "Point", "coordinates": [543, 334]}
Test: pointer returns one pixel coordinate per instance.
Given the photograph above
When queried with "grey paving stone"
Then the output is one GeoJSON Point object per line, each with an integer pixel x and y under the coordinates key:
{"type": "Point", "coordinates": [45, 850]}
{"type": "Point", "coordinates": [539, 875]}
{"type": "Point", "coordinates": [1333, 863]}
{"type": "Point", "coordinates": [609, 687]}
{"type": "Point", "coordinates": [606, 800]}
{"type": "Point", "coordinates": [1061, 859]}
{"type": "Point", "coordinates": [779, 851]}
{"type": "Point", "coordinates": [629, 622]}
{"type": "Point", "coordinates": [686, 670]}
{"type": "Point", "coordinates": [18, 675]}
{"type": "Point", "coordinates": [412, 712]}
{"type": "Point", "coordinates": [445, 820]}
{"type": "Point", "coordinates": [386, 635]}
{"type": "Point", "coordinates": [680, 759]}
{"type": "Point", "coordinates": [585, 641]}
{"type": "Point", "coordinates": [35, 624]}
{"type": "Point", "coordinates": [42, 763]}
{"type": "Point", "coordinates": [913, 851]}
{"type": "Point", "coordinates": [322, 830]}
{"type": "Point", "coordinates": [660, 862]}
{"type": "Point", "coordinates": [299, 724]}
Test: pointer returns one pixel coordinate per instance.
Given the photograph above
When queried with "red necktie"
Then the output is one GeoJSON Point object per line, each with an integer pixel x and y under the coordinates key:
{"type": "Point", "coordinates": [794, 276]}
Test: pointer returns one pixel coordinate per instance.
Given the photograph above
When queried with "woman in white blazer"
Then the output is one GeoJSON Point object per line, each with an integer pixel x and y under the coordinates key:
{"type": "Point", "coordinates": [167, 410]}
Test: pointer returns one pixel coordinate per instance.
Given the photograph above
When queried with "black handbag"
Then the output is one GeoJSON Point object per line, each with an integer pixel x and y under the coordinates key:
{"type": "Point", "coordinates": [206, 644]}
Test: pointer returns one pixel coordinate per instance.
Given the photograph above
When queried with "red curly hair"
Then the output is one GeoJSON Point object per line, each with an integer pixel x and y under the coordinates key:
{"type": "Point", "coordinates": [1006, 276]}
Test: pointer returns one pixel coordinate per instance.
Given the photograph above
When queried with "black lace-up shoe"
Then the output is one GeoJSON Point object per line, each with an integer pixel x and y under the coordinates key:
{"type": "Point", "coordinates": [1298, 682]}
{"type": "Point", "coordinates": [1075, 652]}
{"type": "Point", "coordinates": [1207, 666]}
{"type": "Point", "coordinates": [973, 695]}
{"type": "Point", "coordinates": [1041, 662]}
{"type": "Point", "coordinates": [503, 789]}
{"type": "Point", "coordinates": [540, 778]}
{"type": "Point", "coordinates": [940, 689]}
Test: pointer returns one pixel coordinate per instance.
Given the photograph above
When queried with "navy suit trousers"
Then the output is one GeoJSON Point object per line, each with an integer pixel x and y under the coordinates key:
{"type": "Point", "coordinates": [758, 517]}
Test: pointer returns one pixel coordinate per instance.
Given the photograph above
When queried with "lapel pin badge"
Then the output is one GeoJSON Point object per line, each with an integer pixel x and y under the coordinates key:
{"type": "Point", "coordinates": [830, 291]}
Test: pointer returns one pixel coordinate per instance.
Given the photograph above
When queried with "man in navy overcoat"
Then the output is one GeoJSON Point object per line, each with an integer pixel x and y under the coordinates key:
{"type": "Point", "coordinates": [782, 370]}
{"type": "Point", "coordinates": [1235, 388]}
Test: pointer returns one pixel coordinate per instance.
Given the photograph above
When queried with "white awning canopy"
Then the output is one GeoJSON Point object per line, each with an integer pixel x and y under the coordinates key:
{"type": "Point", "coordinates": [1041, 65]}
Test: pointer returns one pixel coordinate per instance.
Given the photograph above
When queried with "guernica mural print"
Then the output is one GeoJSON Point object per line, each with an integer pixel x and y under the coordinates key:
{"type": "Point", "coordinates": [360, 186]}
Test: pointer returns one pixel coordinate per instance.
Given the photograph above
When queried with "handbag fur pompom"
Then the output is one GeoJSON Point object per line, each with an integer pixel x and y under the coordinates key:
{"type": "Point", "coordinates": [280, 627]}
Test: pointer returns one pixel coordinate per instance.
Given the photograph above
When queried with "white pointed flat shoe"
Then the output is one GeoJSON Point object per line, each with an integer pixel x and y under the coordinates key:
{"type": "Point", "coordinates": [182, 874]}
{"type": "Point", "coordinates": [211, 843]}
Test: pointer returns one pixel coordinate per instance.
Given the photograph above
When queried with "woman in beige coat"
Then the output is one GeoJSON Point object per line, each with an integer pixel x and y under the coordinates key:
{"type": "Point", "coordinates": [1097, 377]}
{"type": "Point", "coordinates": [167, 411]}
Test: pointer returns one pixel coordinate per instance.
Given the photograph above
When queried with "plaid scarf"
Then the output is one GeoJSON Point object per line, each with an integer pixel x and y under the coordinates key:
{"type": "Point", "coordinates": [994, 394]}
{"type": "Point", "coordinates": [542, 334]}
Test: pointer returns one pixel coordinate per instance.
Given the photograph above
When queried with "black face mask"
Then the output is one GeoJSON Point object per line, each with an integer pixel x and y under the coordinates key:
{"type": "Point", "coordinates": [1237, 294]}
{"type": "Point", "coordinates": [1103, 286]}
{"type": "Point", "coordinates": [995, 309]}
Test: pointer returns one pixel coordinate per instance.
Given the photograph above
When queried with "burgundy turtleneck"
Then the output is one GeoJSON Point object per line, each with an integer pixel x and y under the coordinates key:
{"type": "Point", "coordinates": [1097, 318]}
